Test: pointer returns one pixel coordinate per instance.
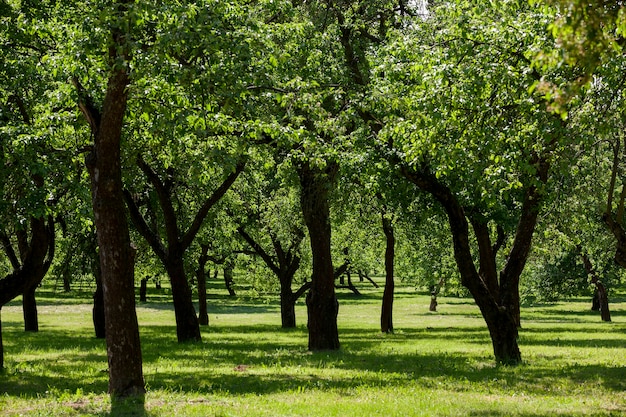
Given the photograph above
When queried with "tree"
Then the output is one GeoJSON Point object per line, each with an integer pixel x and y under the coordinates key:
{"type": "Point", "coordinates": [464, 128]}
{"type": "Point", "coordinates": [31, 174]}
{"type": "Point", "coordinates": [104, 165]}
{"type": "Point", "coordinates": [177, 241]}
{"type": "Point", "coordinates": [318, 71]}
{"type": "Point", "coordinates": [268, 221]}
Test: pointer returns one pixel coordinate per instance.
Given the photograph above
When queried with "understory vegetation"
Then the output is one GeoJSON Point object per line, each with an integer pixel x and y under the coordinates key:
{"type": "Point", "coordinates": [435, 364]}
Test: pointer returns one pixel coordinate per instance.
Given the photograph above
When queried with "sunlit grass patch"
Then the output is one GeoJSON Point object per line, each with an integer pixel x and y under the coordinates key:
{"type": "Point", "coordinates": [435, 364]}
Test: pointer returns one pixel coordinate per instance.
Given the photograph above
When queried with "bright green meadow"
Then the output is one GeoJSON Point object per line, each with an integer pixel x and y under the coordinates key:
{"type": "Point", "coordinates": [436, 364]}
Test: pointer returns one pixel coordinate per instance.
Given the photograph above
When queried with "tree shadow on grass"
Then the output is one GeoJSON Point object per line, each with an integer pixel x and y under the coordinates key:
{"type": "Point", "coordinates": [263, 359]}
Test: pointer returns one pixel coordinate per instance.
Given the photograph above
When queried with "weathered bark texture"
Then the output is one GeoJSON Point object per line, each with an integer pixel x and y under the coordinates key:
{"type": "Point", "coordinates": [172, 253]}
{"type": "Point", "coordinates": [497, 295]}
{"type": "Point", "coordinates": [600, 289]}
{"type": "Point", "coordinates": [322, 305]}
{"type": "Point", "coordinates": [386, 316]}
{"type": "Point", "coordinates": [116, 259]}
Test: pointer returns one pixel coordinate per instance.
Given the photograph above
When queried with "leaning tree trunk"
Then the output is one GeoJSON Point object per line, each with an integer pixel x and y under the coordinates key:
{"type": "Point", "coordinates": [322, 305]}
{"type": "Point", "coordinates": [187, 325]}
{"type": "Point", "coordinates": [386, 316]}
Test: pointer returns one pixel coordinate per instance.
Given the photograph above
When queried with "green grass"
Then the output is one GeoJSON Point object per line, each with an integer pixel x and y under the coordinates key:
{"type": "Point", "coordinates": [436, 364]}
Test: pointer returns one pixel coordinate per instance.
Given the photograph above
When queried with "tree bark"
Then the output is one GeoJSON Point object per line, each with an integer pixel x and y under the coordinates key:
{"type": "Point", "coordinates": [104, 166]}
{"type": "Point", "coordinates": [386, 316]}
{"type": "Point", "coordinates": [203, 314]}
{"type": "Point", "coordinates": [98, 315]}
{"type": "Point", "coordinates": [595, 301]}
{"type": "Point", "coordinates": [322, 305]}
{"type": "Point", "coordinates": [29, 308]}
{"type": "Point", "coordinates": [143, 290]}
{"type": "Point", "coordinates": [187, 325]}
{"type": "Point", "coordinates": [287, 308]}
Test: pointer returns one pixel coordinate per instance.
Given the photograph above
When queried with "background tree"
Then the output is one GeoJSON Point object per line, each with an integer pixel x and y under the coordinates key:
{"type": "Point", "coordinates": [269, 222]}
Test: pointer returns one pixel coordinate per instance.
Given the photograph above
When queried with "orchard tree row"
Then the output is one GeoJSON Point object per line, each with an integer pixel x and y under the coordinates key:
{"type": "Point", "coordinates": [441, 136]}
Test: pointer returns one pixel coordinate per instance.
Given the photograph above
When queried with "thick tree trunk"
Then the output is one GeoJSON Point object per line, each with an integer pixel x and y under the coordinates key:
{"type": "Point", "coordinates": [504, 333]}
{"type": "Point", "coordinates": [29, 308]}
{"type": "Point", "coordinates": [116, 261]}
{"type": "Point", "coordinates": [498, 300]}
{"type": "Point", "coordinates": [386, 316]}
{"type": "Point", "coordinates": [322, 305]}
{"type": "Point", "coordinates": [187, 326]}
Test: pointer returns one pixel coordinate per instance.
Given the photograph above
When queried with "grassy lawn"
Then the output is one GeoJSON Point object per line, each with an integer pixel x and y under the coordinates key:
{"type": "Point", "coordinates": [436, 364]}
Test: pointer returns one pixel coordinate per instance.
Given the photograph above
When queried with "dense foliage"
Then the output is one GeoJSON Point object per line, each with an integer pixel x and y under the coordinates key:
{"type": "Point", "coordinates": [467, 148]}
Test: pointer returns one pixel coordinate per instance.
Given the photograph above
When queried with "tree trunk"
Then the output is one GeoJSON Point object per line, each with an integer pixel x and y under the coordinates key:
{"type": "Point", "coordinates": [203, 314]}
{"type": "Point", "coordinates": [228, 278]}
{"type": "Point", "coordinates": [187, 326]}
{"type": "Point", "coordinates": [66, 280]}
{"type": "Point", "coordinates": [322, 305]}
{"type": "Point", "coordinates": [29, 308]}
{"type": "Point", "coordinates": [143, 290]}
{"type": "Point", "coordinates": [97, 312]}
{"type": "Point", "coordinates": [287, 308]}
{"type": "Point", "coordinates": [504, 333]}
{"type": "Point", "coordinates": [1, 344]}
{"type": "Point", "coordinates": [602, 296]}
{"type": "Point", "coordinates": [595, 301]}
{"type": "Point", "coordinates": [386, 316]}
{"type": "Point", "coordinates": [116, 263]}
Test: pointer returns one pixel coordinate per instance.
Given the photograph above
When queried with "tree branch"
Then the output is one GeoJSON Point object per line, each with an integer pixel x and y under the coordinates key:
{"type": "Point", "coordinates": [208, 203]}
